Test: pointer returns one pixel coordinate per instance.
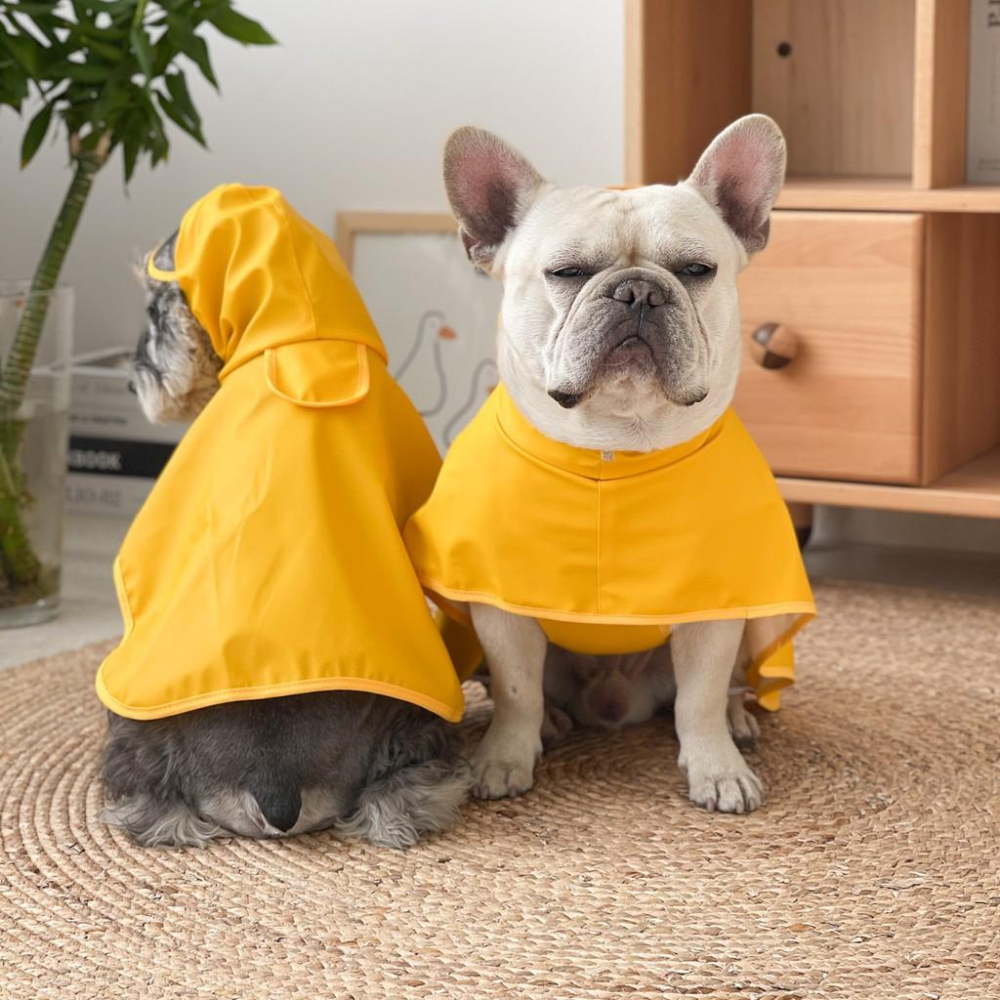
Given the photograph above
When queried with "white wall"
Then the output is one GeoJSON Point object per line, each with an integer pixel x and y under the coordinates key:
{"type": "Point", "coordinates": [348, 113]}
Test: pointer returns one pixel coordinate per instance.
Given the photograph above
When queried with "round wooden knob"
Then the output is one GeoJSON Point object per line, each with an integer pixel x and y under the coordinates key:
{"type": "Point", "coordinates": [773, 345]}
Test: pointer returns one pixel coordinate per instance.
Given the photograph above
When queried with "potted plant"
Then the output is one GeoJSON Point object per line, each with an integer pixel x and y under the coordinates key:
{"type": "Point", "coordinates": [108, 74]}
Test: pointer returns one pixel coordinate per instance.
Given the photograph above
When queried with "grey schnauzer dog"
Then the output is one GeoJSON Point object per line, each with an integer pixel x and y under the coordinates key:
{"type": "Point", "coordinates": [367, 765]}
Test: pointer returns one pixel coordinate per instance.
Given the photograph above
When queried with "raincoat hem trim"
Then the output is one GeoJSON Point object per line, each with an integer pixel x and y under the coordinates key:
{"type": "Point", "coordinates": [780, 676]}
{"type": "Point", "coordinates": [449, 594]}
{"type": "Point", "coordinates": [257, 693]}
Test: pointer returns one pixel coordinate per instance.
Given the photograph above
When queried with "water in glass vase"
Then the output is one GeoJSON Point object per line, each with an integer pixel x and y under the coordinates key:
{"type": "Point", "coordinates": [34, 407]}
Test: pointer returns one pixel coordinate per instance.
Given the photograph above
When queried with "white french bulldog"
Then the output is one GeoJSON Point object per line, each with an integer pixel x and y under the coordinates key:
{"type": "Point", "coordinates": [579, 267]}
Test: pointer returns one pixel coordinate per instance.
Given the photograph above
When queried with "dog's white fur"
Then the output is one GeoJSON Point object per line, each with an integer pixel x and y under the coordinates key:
{"type": "Point", "coordinates": [547, 343]}
{"type": "Point", "coordinates": [622, 416]}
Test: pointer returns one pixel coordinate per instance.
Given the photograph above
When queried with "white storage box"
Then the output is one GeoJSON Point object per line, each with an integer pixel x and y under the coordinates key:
{"type": "Point", "coordinates": [983, 153]}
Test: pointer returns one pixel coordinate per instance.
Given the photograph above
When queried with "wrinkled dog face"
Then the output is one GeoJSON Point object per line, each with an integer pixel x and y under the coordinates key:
{"type": "Point", "coordinates": [618, 305]}
{"type": "Point", "coordinates": [175, 370]}
{"type": "Point", "coordinates": [623, 280]}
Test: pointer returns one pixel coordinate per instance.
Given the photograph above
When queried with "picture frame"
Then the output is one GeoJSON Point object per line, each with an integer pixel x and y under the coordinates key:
{"type": "Point", "coordinates": [436, 313]}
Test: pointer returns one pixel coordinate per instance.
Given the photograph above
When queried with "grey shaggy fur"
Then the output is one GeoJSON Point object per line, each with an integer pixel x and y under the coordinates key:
{"type": "Point", "coordinates": [383, 769]}
{"type": "Point", "coordinates": [176, 370]}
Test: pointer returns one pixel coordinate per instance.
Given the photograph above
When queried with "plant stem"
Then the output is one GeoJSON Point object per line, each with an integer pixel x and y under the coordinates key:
{"type": "Point", "coordinates": [19, 560]}
{"type": "Point", "coordinates": [14, 379]}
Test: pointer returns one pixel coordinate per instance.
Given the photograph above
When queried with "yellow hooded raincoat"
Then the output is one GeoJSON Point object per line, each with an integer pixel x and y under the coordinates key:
{"type": "Point", "coordinates": [608, 551]}
{"type": "Point", "coordinates": [268, 559]}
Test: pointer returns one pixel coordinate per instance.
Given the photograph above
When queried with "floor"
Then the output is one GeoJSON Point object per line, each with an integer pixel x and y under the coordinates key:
{"type": "Point", "coordinates": [90, 608]}
{"type": "Point", "coordinates": [870, 873]}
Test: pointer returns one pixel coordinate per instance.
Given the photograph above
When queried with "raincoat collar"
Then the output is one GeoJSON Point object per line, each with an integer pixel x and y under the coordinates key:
{"type": "Point", "coordinates": [256, 277]}
{"type": "Point", "coordinates": [586, 462]}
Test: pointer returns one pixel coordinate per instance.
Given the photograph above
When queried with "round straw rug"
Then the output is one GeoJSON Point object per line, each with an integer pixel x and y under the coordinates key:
{"type": "Point", "coordinates": [872, 871]}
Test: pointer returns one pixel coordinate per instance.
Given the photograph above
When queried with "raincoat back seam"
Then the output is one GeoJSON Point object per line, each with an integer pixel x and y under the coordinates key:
{"type": "Point", "coordinates": [286, 225]}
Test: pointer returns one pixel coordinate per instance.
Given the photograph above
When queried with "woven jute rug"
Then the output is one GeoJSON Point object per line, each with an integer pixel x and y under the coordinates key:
{"type": "Point", "coordinates": [871, 872]}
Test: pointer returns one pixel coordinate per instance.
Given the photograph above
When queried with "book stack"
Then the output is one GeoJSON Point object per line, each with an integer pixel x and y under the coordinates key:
{"type": "Point", "coordinates": [115, 453]}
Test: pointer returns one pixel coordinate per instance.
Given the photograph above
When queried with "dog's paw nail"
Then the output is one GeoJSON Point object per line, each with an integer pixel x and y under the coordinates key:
{"type": "Point", "coordinates": [732, 793]}
{"type": "Point", "coordinates": [500, 779]}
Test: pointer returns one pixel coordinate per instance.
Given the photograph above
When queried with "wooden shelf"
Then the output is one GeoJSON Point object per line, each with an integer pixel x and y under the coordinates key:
{"type": "Point", "coordinates": [971, 491]}
{"type": "Point", "coordinates": [872, 99]}
{"type": "Point", "coordinates": [885, 194]}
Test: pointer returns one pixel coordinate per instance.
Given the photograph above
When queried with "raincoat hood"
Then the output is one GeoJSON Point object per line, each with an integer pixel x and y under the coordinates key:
{"type": "Point", "coordinates": [268, 560]}
{"type": "Point", "coordinates": [608, 550]}
{"type": "Point", "coordinates": [257, 275]}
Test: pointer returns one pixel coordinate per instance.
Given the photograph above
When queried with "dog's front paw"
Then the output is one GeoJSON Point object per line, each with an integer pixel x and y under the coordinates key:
{"type": "Point", "coordinates": [742, 723]}
{"type": "Point", "coordinates": [723, 782]}
{"type": "Point", "coordinates": [501, 779]}
{"type": "Point", "coordinates": [503, 769]}
{"type": "Point", "coordinates": [556, 725]}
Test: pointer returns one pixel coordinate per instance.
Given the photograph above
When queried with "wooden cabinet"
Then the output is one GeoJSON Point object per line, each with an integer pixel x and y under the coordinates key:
{"type": "Point", "coordinates": [883, 263]}
{"type": "Point", "coordinates": [848, 287]}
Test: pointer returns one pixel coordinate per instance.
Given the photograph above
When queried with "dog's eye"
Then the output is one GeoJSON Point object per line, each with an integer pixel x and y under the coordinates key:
{"type": "Point", "coordinates": [696, 270]}
{"type": "Point", "coordinates": [567, 272]}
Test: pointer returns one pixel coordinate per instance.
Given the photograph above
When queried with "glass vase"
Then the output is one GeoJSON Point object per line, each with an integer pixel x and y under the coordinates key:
{"type": "Point", "coordinates": [36, 336]}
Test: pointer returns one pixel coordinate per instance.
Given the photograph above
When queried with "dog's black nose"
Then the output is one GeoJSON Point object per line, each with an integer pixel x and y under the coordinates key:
{"type": "Point", "coordinates": [639, 293]}
{"type": "Point", "coordinates": [567, 400]}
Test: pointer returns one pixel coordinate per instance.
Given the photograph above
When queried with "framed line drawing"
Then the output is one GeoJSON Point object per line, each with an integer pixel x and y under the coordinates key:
{"type": "Point", "coordinates": [436, 313]}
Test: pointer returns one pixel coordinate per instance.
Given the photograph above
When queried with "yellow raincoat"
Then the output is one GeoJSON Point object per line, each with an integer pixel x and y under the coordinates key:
{"type": "Point", "coordinates": [608, 551]}
{"type": "Point", "coordinates": [268, 559]}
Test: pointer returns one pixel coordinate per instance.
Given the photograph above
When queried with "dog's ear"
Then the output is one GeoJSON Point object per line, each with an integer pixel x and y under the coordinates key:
{"type": "Point", "coordinates": [162, 257]}
{"type": "Point", "coordinates": [741, 174]}
{"type": "Point", "coordinates": [165, 252]}
{"type": "Point", "coordinates": [490, 186]}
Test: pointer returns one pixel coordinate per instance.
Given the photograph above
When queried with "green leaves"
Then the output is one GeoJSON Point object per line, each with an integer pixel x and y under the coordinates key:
{"type": "Point", "coordinates": [25, 51]}
{"type": "Point", "coordinates": [131, 156]}
{"type": "Point", "coordinates": [143, 50]}
{"type": "Point", "coordinates": [179, 109]}
{"type": "Point", "coordinates": [35, 133]}
{"type": "Point", "coordinates": [243, 29]}
{"type": "Point", "coordinates": [13, 84]}
{"type": "Point", "coordinates": [111, 71]}
{"type": "Point", "coordinates": [37, 10]}
{"type": "Point", "coordinates": [194, 47]}
{"type": "Point", "coordinates": [79, 71]}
